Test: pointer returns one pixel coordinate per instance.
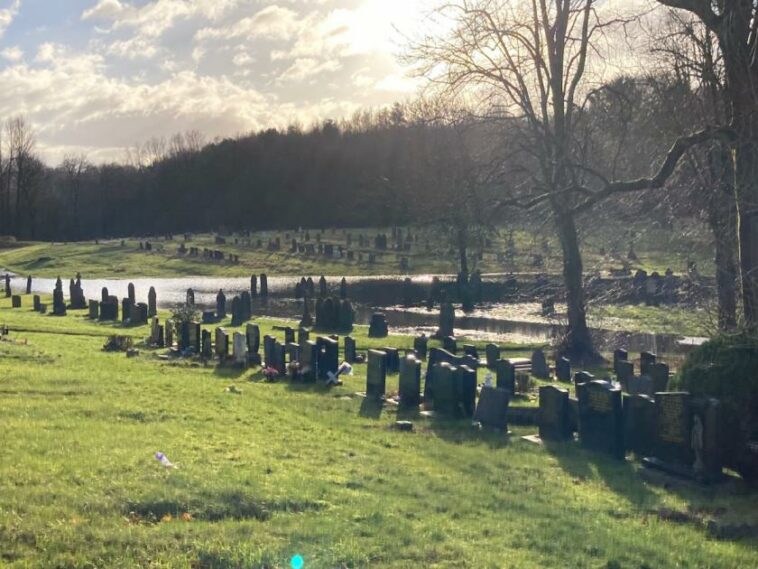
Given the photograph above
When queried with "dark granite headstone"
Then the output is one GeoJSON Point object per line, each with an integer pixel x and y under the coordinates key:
{"type": "Point", "coordinates": [449, 344]}
{"type": "Point", "coordinates": [37, 301]}
{"type": "Point", "coordinates": [492, 409]}
{"type": "Point", "coordinates": [207, 345]}
{"type": "Point", "coordinates": [554, 414]}
{"type": "Point", "coordinates": [624, 373]}
{"type": "Point", "coordinates": [470, 350]}
{"type": "Point", "coordinates": [393, 360]}
{"type": "Point", "coordinates": [16, 301]}
{"type": "Point", "coordinates": [466, 385]}
{"type": "Point", "coordinates": [152, 306]}
{"type": "Point", "coordinates": [506, 376]}
{"type": "Point", "coordinates": [420, 346]}
{"type": "Point", "coordinates": [639, 424]}
{"type": "Point", "coordinates": [94, 310]}
{"type": "Point", "coordinates": [563, 369]}
{"type": "Point", "coordinates": [410, 382]}
{"type": "Point", "coordinates": [350, 352]}
{"type": "Point", "coordinates": [646, 360]}
{"type": "Point", "coordinates": [376, 374]}
{"type": "Point", "coordinates": [378, 326]}
{"type": "Point", "coordinates": [328, 356]}
{"type": "Point", "coordinates": [601, 419]}
{"type": "Point", "coordinates": [253, 334]}
{"type": "Point", "coordinates": [540, 368]}
{"type": "Point", "coordinates": [619, 355]}
{"type": "Point", "coordinates": [659, 373]}
{"type": "Point", "coordinates": [492, 352]}
{"type": "Point", "coordinates": [222, 344]}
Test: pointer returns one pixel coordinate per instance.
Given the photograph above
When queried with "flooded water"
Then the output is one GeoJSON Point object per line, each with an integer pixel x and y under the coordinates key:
{"type": "Point", "coordinates": [499, 322]}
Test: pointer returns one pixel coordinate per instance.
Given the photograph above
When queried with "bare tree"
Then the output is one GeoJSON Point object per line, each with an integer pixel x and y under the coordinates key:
{"type": "Point", "coordinates": [735, 25]}
{"type": "Point", "coordinates": [74, 168]}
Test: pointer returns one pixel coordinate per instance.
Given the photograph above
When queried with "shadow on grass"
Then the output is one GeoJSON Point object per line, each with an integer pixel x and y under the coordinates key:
{"type": "Point", "coordinates": [230, 371]}
{"type": "Point", "coordinates": [459, 430]}
{"type": "Point", "coordinates": [371, 408]}
{"type": "Point", "coordinates": [619, 475]}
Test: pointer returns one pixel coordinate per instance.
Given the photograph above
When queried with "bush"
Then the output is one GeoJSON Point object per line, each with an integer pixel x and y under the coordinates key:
{"type": "Point", "coordinates": [184, 313]}
{"type": "Point", "coordinates": [726, 368]}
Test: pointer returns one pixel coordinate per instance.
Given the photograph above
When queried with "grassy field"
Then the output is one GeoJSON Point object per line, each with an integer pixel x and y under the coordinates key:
{"type": "Point", "coordinates": [283, 470]}
{"type": "Point", "coordinates": [656, 248]}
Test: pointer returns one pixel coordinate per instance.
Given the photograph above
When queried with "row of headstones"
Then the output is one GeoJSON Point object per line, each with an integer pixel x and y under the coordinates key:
{"type": "Point", "coordinates": [333, 314]}
{"type": "Point", "coordinates": [450, 385]}
{"type": "Point", "coordinates": [307, 288]}
{"type": "Point", "coordinates": [674, 431]}
{"type": "Point", "coordinates": [132, 312]}
{"type": "Point", "coordinates": [653, 377]}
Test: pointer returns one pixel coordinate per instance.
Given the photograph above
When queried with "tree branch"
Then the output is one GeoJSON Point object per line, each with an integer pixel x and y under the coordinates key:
{"type": "Point", "coordinates": [675, 153]}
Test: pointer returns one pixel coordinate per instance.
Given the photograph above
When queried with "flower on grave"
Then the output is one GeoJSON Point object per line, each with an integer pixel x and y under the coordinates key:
{"type": "Point", "coordinates": [270, 372]}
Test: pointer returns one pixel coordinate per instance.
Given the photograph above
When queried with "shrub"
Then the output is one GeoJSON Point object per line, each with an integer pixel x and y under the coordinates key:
{"type": "Point", "coordinates": [726, 368]}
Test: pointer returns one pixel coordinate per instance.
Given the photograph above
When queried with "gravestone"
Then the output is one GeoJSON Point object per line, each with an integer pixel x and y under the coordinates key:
{"type": "Point", "coordinates": [29, 284]}
{"type": "Point", "coordinates": [506, 376]}
{"type": "Point", "coordinates": [378, 326]}
{"type": "Point", "coordinates": [292, 351]}
{"type": "Point", "coordinates": [554, 414]}
{"type": "Point", "coordinates": [640, 385]}
{"type": "Point", "coordinates": [540, 368]}
{"type": "Point", "coordinates": [449, 344]}
{"type": "Point", "coordinates": [307, 319]}
{"type": "Point", "coordinates": [138, 314]}
{"type": "Point", "coordinates": [253, 336]}
{"type": "Point", "coordinates": [268, 353]}
{"type": "Point", "coordinates": [264, 285]}
{"type": "Point", "coordinates": [639, 424]}
{"type": "Point", "coordinates": [393, 360]}
{"type": "Point", "coordinates": [659, 373]}
{"type": "Point", "coordinates": [322, 289]}
{"type": "Point", "coordinates": [470, 350]}
{"type": "Point", "coordinates": [447, 320]}
{"type": "Point", "coordinates": [289, 335]}
{"type": "Point", "coordinates": [94, 310]}
{"type": "Point", "coordinates": [190, 297]}
{"type": "Point", "coordinates": [207, 345]}
{"type": "Point", "coordinates": [59, 305]}
{"type": "Point", "coordinates": [303, 335]}
{"type": "Point", "coordinates": [126, 309]}
{"type": "Point", "coordinates": [646, 360]}
{"type": "Point", "coordinates": [240, 349]}
{"type": "Point", "coordinates": [169, 331]}
{"type": "Point", "coordinates": [420, 346]}
{"type": "Point", "coordinates": [601, 418]}
{"type": "Point", "coordinates": [492, 353]}
{"type": "Point", "coordinates": [15, 301]}
{"type": "Point", "coordinates": [8, 292]}
{"type": "Point", "coordinates": [152, 306]}
{"type": "Point", "coordinates": [466, 386]}
{"type": "Point", "coordinates": [583, 377]}
{"type": "Point", "coordinates": [253, 285]}
{"type": "Point", "coordinates": [410, 382]}
{"type": "Point", "coordinates": [350, 352]}
{"type": "Point", "coordinates": [130, 293]}
{"type": "Point", "coordinates": [328, 356]}
{"type": "Point", "coordinates": [619, 355]}
{"type": "Point", "coordinates": [688, 436]}
{"type": "Point", "coordinates": [278, 358]}
{"type": "Point", "coordinates": [222, 344]}
{"type": "Point", "coordinates": [220, 305]}
{"type": "Point", "coordinates": [104, 294]}
{"type": "Point", "coordinates": [376, 374]}
{"type": "Point", "coordinates": [492, 409]}
{"type": "Point", "coordinates": [308, 361]}
{"type": "Point", "coordinates": [37, 301]}
{"type": "Point", "coordinates": [624, 373]}
{"type": "Point", "coordinates": [563, 369]}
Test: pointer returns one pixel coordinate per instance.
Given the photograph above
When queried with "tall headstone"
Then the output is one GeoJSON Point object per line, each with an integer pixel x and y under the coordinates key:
{"type": "Point", "coordinates": [420, 346]}
{"type": "Point", "coordinates": [601, 419]}
{"type": "Point", "coordinates": [190, 297]}
{"type": "Point", "coordinates": [350, 351]}
{"type": "Point", "coordinates": [410, 382]}
{"type": "Point", "coordinates": [222, 344]}
{"type": "Point", "coordinates": [624, 373]}
{"type": "Point", "coordinates": [646, 360]}
{"type": "Point", "coordinates": [563, 369]}
{"type": "Point", "coordinates": [619, 355]}
{"type": "Point", "coordinates": [8, 292]}
{"type": "Point", "coordinates": [376, 374]}
{"type": "Point", "coordinates": [240, 349]}
{"type": "Point", "coordinates": [639, 424]}
{"type": "Point", "coordinates": [447, 321]}
{"type": "Point", "coordinates": [492, 353]}
{"type": "Point", "coordinates": [221, 305]}
{"type": "Point", "coordinates": [322, 288]}
{"type": "Point", "coordinates": [152, 304]}
{"type": "Point", "coordinates": [309, 361]}
{"type": "Point", "coordinates": [506, 375]}
{"type": "Point", "coordinates": [29, 284]}
{"type": "Point", "coordinates": [393, 360]}
{"type": "Point", "coordinates": [206, 350]}
{"type": "Point", "coordinates": [659, 374]}
{"type": "Point", "coordinates": [540, 368]}
{"type": "Point", "coordinates": [104, 294]}
{"type": "Point", "coordinates": [131, 294]}
{"type": "Point", "coordinates": [343, 288]}
{"type": "Point", "coordinates": [264, 285]}
{"type": "Point", "coordinates": [328, 356]}
{"type": "Point", "coordinates": [94, 310]}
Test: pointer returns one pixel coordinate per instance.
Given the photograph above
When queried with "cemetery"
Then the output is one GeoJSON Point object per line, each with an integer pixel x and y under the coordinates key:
{"type": "Point", "coordinates": [519, 426]}
{"type": "Point", "coordinates": [379, 284]}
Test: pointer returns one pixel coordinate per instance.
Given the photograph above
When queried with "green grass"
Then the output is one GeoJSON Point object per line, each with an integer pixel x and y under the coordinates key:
{"type": "Point", "coordinates": [286, 469]}
{"type": "Point", "coordinates": [656, 248]}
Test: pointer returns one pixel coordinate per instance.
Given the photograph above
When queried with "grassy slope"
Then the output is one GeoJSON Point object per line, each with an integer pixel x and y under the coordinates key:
{"type": "Point", "coordinates": [656, 248]}
{"type": "Point", "coordinates": [284, 469]}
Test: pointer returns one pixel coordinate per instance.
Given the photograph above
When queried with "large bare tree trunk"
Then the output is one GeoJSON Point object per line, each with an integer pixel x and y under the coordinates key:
{"type": "Point", "coordinates": [577, 344]}
{"type": "Point", "coordinates": [746, 186]}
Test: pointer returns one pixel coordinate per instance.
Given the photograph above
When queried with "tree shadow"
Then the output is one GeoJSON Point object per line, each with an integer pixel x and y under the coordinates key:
{"type": "Point", "coordinates": [459, 430]}
{"type": "Point", "coordinates": [620, 476]}
{"type": "Point", "coordinates": [229, 372]}
{"type": "Point", "coordinates": [371, 408]}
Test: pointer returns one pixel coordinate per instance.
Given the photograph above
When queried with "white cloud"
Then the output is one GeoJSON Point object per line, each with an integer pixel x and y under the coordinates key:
{"type": "Point", "coordinates": [12, 54]}
{"type": "Point", "coordinates": [273, 22]}
{"type": "Point", "coordinates": [7, 15]}
{"type": "Point", "coordinates": [305, 67]}
{"type": "Point", "coordinates": [104, 10]}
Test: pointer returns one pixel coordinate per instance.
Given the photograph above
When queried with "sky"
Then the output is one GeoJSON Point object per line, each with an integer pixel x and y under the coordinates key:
{"type": "Point", "coordinates": [96, 77]}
